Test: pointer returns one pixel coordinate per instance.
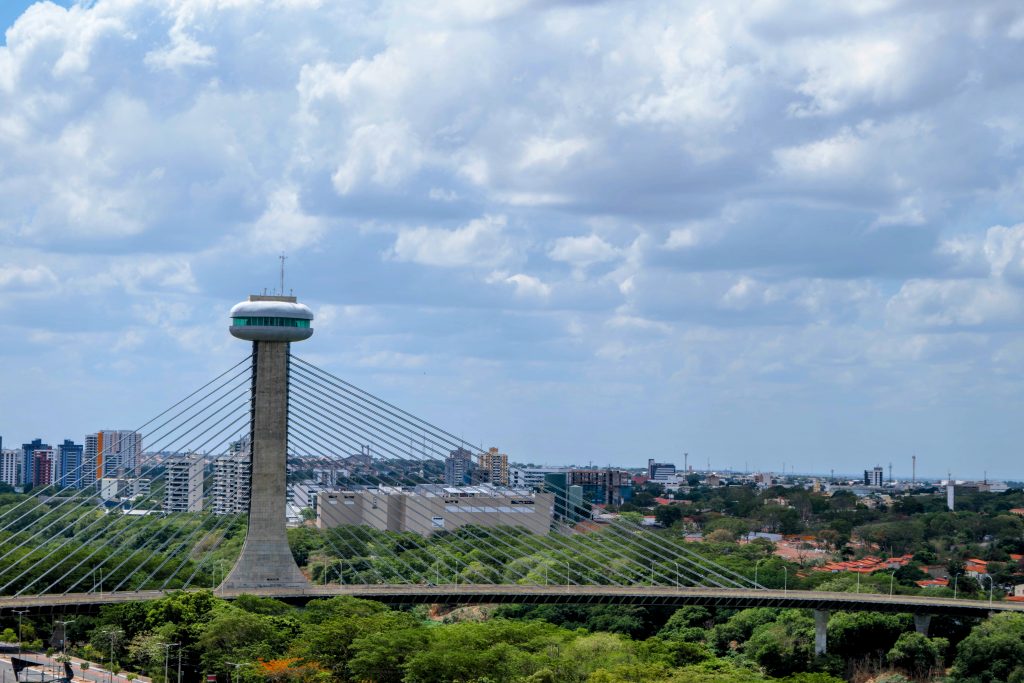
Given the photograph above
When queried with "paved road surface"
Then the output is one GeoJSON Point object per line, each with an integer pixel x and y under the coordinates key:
{"type": "Point", "coordinates": [648, 595]}
{"type": "Point", "coordinates": [48, 669]}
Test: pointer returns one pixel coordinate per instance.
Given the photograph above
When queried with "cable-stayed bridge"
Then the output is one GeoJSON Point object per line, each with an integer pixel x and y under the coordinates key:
{"type": "Point", "coordinates": [66, 547]}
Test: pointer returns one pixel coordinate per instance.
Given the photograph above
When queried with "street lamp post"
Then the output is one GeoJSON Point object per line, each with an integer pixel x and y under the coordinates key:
{"type": "Point", "coordinates": [755, 571]}
{"type": "Point", "coordinates": [785, 579]}
{"type": "Point", "coordinates": [991, 587]}
{"type": "Point", "coordinates": [114, 635]}
{"type": "Point", "coordinates": [567, 580]}
{"type": "Point", "coordinates": [892, 579]}
{"type": "Point", "coordinates": [858, 582]}
{"type": "Point", "coordinates": [677, 573]}
{"type": "Point", "coordinates": [234, 664]}
{"type": "Point", "coordinates": [956, 578]}
{"type": "Point", "coordinates": [63, 639]}
{"type": "Point", "coordinates": [167, 653]}
{"type": "Point", "coordinates": [20, 613]}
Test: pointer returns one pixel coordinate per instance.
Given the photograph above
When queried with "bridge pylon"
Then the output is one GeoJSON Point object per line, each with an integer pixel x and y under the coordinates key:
{"type": "Point", "coordinates": [271, 323]}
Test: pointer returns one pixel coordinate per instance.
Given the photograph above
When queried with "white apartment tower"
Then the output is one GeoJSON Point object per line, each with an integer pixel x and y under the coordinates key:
{"type": "Point", "coordinates": [231, 475]}
{"type": "Point", "coordinates": [10, 466]}
{"type": "Point", "coordinates": [183, 483]}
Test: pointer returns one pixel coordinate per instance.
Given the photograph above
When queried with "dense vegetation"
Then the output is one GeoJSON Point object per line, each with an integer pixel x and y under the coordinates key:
{"type": "Point", "coordinates": [348, 640]}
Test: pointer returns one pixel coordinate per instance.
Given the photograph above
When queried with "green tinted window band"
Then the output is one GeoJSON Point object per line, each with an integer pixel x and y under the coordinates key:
{"type": "Point", "coordinates": [269, 322]}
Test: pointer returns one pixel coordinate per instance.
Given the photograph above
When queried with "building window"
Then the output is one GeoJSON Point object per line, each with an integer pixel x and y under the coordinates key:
{"type": "Point", "coordinates": [263, 321]}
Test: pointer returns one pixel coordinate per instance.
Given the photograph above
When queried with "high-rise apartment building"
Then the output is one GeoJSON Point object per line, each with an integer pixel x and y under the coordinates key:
{"type": "Point", "coordinates": [183, 483]}
{"type": "Point", "coordinates": [44, 467]}
{"type": "Point", "coordinates": [874, 477]}
{"type": "Point", "coordinates": [231, 480]}
{"type": "Point", "coordinates": [69, 457]}
{"type": "Point", "coordinates": [494, 467]}
{"type": "Point", "coordinates": [10, 466]}
{"type": "Point", "coordinates": [27, 465]}
{"type": "Point", "coordinates": [111, 453]}
{"type": "Point", "coordinates": [458, 467]}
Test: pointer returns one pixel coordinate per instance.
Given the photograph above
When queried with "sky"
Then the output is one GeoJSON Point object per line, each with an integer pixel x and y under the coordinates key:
{"type": "Point", "coordinates": [761, 232]}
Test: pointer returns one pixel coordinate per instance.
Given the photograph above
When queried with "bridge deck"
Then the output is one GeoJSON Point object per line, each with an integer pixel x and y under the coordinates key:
{"type": "Point", "coordinates": [638, 595]}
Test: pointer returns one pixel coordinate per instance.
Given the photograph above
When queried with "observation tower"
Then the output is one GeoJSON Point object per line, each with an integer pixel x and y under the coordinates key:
{"type": "Point", "coordinates": [271, 323]}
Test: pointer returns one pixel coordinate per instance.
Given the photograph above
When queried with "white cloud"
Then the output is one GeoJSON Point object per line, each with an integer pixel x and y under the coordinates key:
{"type": "Point", "coordinates": [283, 226]}
{"type": "Point", "coordinates": [19, 278]}
{"type": "Point", "coordinates": [582, 252]}
{"type": "Point", "coordinates": [481, 243]}
{"type": "Point", "coordinates": [844, 71]}
{"type": "Point", "coordinates": [381, 154]}
{"type": "Point", "coordinates": [955, 303]}
{"type": "Point", "coordinates": [551, 153]}
{"type": "Point", "coordinates": [525, 285]}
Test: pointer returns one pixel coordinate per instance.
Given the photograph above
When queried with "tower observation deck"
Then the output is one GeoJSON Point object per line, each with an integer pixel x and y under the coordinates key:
{"type": "Point", "coordinates": [271, 323]}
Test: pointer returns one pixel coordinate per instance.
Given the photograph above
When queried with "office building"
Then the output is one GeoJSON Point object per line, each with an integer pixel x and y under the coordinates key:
{"type": "Point", "coordinates": [428, 508]}
{"type": "Point", "coordinates": [27, 465]}
{"type": "Point", "coordinates": [493, 467]}
{"type": "Point", "coordinates": [874, 477]}
{"type": "Point", "coordinates": [458, 467]}
{"type": "Point", "coordinates": [569, 503]}
{"type": "Point", "coordinates": [69, 455]}
{"type": "Point", "coordinates": [10, 466]}
{"type": "Point", "coordinates": [603, 486]}
{"type": "Point", "coordinates": [183, 483]}
{"type": "Point", "coordinates": [531, 478]}
{"type": "Point", "coordinates": [231, 478]}
{"type": "Point", "coordinates": [660, 471]}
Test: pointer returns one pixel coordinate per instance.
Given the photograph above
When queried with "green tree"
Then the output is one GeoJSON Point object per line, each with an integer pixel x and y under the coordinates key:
{"type": "Point", "coordinates": [916, 653]}
{"type": "Point", "coordinates": [994, 651]}
{"type": "Point", "coordinates": [855, 634]}
{"type": "Point", "coordinates": [785, 646]}
{"type": "Point", "coordinates": [667, 515]}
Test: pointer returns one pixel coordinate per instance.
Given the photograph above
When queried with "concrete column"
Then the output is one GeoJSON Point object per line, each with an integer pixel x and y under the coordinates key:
{"type": "Point", "coordinates": [266, 560]}
{"type": "Point", "coordinates": [820, 631]}
{"type": "Point", "coordinates": [922, 622]}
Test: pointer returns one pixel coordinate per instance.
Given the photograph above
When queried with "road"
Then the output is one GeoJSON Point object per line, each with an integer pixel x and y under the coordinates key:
{"type": "Point", "coordinates": [490, 593]}
{"type": "Point", "coordinates": [49, 669]}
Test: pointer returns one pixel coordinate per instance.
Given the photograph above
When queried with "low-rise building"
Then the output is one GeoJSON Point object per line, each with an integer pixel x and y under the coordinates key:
{"type": "Point", "coordinates": [429, 508]}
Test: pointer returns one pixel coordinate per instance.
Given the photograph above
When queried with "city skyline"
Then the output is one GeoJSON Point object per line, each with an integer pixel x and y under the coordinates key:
{"type": "Point", "coordinates": [583, 232]}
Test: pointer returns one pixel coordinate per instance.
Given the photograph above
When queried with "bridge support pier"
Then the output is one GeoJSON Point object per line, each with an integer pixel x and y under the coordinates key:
{"type": "Point", "coordinates": [922, 622]}
{"type": "Point", "coordinates": [820, 631]}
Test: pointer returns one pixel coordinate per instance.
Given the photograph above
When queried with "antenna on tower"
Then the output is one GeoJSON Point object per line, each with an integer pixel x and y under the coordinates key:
{"type": "Point", "coordinates": [890, 472]}
{"type": "Point", "coordinates": [283, 259]}
{"type": "Point", "coordinates": [913, 470]}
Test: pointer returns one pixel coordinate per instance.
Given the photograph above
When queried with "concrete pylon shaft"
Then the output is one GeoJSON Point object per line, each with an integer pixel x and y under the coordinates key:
{"type": "Point", "coordinates": [820, 631]}
{"type": "Point", "coordinates": [266, 560]}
